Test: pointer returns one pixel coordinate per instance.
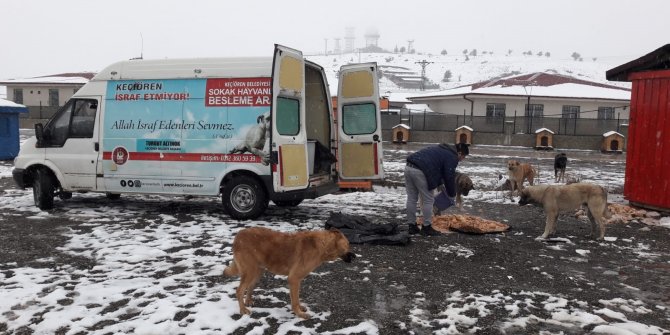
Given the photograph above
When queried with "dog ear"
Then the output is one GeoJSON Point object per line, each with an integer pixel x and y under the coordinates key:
{"type": "Point", "coordinates": [259, 119]}
{"type": "Point", "coordinates": [517, 163]}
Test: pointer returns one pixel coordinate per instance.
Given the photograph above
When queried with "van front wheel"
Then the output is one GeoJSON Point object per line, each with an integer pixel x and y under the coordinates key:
{"type": "Point", "coordinates": [43, 189]}
{"type": "Point", "coordinates": [244, 198]}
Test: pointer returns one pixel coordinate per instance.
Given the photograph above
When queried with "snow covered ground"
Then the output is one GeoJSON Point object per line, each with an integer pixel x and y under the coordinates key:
{"type": "Point", "coordinates": [158, 261]}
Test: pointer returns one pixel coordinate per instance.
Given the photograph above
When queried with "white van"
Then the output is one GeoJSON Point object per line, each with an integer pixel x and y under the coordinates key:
{"type": "Point", "coordinates": [253, 130]}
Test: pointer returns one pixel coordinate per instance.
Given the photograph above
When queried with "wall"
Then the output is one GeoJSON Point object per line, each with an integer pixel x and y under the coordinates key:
{"type": "Point", "coordinates": [40, 94]}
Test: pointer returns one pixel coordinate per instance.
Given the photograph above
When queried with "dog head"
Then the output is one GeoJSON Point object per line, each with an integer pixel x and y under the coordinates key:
{"type": "Point", "coordinates": [263, 120]}
{"type": "Point", "coordinates": [340, 246]}
{"type": "Point", "coordinates": [525, 198]}
{"type": "Point", "coordinates": [512, 164]}
{"type": "Point", "coordinates": [465, 184]}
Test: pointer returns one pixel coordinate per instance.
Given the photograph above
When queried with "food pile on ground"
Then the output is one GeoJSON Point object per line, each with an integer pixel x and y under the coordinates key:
{"type": "Point", "coordinates": [465, 224]}
{"type": "Point", "coordinates": [624, 214]}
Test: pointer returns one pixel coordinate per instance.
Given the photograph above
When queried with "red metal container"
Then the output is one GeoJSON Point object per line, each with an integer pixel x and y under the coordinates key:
{"type": "Point", "coordinates": [647, 181]}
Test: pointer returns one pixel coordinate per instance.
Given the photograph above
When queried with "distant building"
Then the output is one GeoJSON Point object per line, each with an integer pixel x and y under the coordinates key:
{"type": "Point", "coordinates": [534, 95]}
{"type": "Point", "coordinates": [44, 95]}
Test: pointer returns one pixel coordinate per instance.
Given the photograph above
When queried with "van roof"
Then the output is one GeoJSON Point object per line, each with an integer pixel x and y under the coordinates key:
{"type": "Point", "coordinates": [187, 68]}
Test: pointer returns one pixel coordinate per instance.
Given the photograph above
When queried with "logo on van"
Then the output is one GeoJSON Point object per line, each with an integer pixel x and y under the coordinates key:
{"type": "Point", "coordinates": [120, 155]}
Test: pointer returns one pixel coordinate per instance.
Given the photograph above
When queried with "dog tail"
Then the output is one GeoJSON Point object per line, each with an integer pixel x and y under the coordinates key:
{"type": "Point", "coordinates": [231, 270]}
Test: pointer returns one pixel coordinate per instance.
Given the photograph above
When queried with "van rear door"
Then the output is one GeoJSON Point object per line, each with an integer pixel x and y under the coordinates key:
{"type": "Point", "coordinates": [359, 153]}
{"type": "Point", "coordinates": [289, 138]}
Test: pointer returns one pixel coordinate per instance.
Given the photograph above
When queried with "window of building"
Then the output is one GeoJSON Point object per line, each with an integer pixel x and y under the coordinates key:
{"type": "Point", "coordinates": [606, 113]}
{"type": "Point", "coordinates": [570, 112]}
{"type": "Point", "coordinates": [53, 97]}
{"type": "Point", "coordinates": [535, 110]}
{"type": "Point", "coordinates": [18, 95]}
{"type": "Point", "coordinates": [495, 110]}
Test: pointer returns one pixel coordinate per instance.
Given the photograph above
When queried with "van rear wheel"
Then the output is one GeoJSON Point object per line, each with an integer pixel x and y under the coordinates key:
{"type": "Point", "coordinates": [244, 198]}
{"type": "Point", "coordinates": [43, 189]}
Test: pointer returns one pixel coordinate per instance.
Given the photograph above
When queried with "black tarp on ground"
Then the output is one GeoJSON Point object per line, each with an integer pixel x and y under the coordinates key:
{"type": "Point", "coordinates": [359, 229]}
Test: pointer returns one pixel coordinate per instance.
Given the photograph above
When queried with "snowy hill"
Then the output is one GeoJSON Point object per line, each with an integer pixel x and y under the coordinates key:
{"type": "Point", "coordinates": [467, 70]}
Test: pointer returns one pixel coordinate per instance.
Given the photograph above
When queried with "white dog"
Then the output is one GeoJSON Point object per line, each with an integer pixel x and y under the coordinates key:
{"type": "Point", "coordinates": [257, 139]}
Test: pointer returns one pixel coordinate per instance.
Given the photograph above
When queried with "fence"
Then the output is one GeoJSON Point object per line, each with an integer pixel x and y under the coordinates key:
{"type": "Point", "coordinates": [505, 125]}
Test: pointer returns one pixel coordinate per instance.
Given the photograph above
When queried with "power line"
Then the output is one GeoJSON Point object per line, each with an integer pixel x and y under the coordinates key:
{"type": "Point", "coordinates": [423, 64]}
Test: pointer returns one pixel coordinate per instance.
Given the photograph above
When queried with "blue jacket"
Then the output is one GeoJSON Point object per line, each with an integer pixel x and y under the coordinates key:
{"type": "Point", "coordinates": [438, 163]}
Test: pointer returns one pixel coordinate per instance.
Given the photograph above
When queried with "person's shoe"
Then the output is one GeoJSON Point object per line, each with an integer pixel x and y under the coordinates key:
{"type": "Point", "coordinates": [412, 229]}
{"type": "Point", "coordinates": [429, 231]}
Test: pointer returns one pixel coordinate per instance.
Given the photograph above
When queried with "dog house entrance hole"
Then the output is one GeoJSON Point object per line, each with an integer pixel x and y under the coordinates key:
{"type": "Point", "coordinates": [544, 141]}
{"type": "Point", "coordinates": [463, 138]}
{"type": "Point", "coordinates": [399, 136]}
{"type": "Point", "coordinates": [614, 145]}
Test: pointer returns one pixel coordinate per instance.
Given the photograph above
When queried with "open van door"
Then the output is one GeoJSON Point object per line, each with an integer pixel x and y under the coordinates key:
{"type": "Point", "coordinates": [359, 153]}
{"type": "Point", "coordinates": [289, 136]}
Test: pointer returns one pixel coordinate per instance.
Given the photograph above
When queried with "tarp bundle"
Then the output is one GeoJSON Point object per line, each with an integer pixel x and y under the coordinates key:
{"type": "Point", "coordinates": [359, 230]}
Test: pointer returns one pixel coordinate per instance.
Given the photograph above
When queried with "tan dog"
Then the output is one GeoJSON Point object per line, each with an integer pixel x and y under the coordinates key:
{"type": "Point", "coordinates": [560, 198]}
{"type": "Point", "coordinates": [290, 254]}
{"type": "Point", "coordinates": [517, 173]}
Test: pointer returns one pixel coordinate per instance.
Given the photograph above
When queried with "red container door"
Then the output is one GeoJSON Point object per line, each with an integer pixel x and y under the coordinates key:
{"type": "Point", "coordinates": [647, 180]}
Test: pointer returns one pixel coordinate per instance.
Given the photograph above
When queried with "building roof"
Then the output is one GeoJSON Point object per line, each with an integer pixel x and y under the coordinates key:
{"type": "Point", "coordinates": [658, 59]}
{"type": "Point", "coordinates": [610, 133]}
{"type": "Point", "coordinates": [417, 108]}
{"type": "Point", "coordinates": [543, 129]}
{"type": "Point", "coordinates": [401, 125]}
{"type": "Point", "coordinates": [539, 84]}
{"type": "Point", "coordinates": [55, 79]}
{"type": "Point", "coordinates": [465, 127]}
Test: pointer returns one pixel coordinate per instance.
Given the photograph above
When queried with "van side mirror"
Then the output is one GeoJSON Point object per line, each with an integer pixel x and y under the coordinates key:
{"type": "Point", "coordinates": [39, 134]}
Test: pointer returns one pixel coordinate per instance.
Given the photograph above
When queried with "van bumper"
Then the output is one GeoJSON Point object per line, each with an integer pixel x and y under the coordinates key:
{"type": "Point", "coordinates": [18, 175]}
{"type": "Point", "coordinates": [309, 193]}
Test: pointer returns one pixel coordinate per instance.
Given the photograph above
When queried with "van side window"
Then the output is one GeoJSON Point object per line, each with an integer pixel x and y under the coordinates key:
{"type": "Point", "coordinates": [359, 119]}
{"type": "Point", "coordinates": [74, 120]}
{"type": "Point", "coordinates": [288, 116]}
{"type": "Point", "coordinates": [83, 118]}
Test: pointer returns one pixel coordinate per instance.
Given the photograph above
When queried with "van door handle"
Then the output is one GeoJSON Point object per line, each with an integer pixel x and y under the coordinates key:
{"type": "Point", "coordinates": [96, 146]}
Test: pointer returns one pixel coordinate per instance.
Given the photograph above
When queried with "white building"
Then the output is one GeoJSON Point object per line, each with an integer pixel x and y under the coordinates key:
{"type": "Point", "coordinates": [538, 94]}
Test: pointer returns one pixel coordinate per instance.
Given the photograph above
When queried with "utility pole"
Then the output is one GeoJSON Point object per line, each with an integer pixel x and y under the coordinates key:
{"type": "Point", "coordinates": [409, 46]}
{"type": "Point", "coordinates": [326, 50]}
{"type": "Point", "coordinates": [423, 64]}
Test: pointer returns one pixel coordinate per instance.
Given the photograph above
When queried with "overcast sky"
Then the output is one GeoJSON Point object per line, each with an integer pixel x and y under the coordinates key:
{"type": "Point", "coordinates": [44, 37]}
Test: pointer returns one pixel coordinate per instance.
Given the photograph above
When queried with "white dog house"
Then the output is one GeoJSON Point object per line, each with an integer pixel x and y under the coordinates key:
{"type": "Point", "coordinates": [544, 139]}
{"type": "Point", "coordinates": [401, 133]}
{"type": "Point", "coordinates": [464, 135]}
{"type": "Point", "coordinates": [612, 142]}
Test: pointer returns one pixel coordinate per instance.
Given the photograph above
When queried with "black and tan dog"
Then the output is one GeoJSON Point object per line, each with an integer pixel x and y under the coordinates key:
{"type": "Point", "coordinates": [560, 163]}
{"type": "Point", "coordinates": [559, 198]}
{"type": "Point", "coordinates": [294, 255]}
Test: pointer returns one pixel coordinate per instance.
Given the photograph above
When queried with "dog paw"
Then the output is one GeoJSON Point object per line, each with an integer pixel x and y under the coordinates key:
{"type": "Point", "coordinates": [244, 311]}
{"type": "Point", "coordinates": [302, 315]}
{"type": "Point", "coordinates": [303, 308]}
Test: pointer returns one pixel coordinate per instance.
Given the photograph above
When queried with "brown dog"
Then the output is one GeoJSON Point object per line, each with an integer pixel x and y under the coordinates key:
{"type": "Point", "coordinates": [517, 173]}
{"type": "Point", "coordinates": [290, 254]}
{"type": "Point", "coordinates": [463, 186]}
{"type": "Point", "coordinates": [560, 198]}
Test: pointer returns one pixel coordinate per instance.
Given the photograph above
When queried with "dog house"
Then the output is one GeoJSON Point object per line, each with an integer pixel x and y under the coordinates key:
{"type": "Point", "coordinates": [464, 135]}
{"type": "Point", "coordinates": [9, 128]}
{"type": "Point", "coordinates": [544, 139]}
{"type": "Point", "coordinates": [612, 142]}
{"type": "Point", "coordinates": [400, 133]}
{"type": "Point", "coordinates": [647, 181]}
